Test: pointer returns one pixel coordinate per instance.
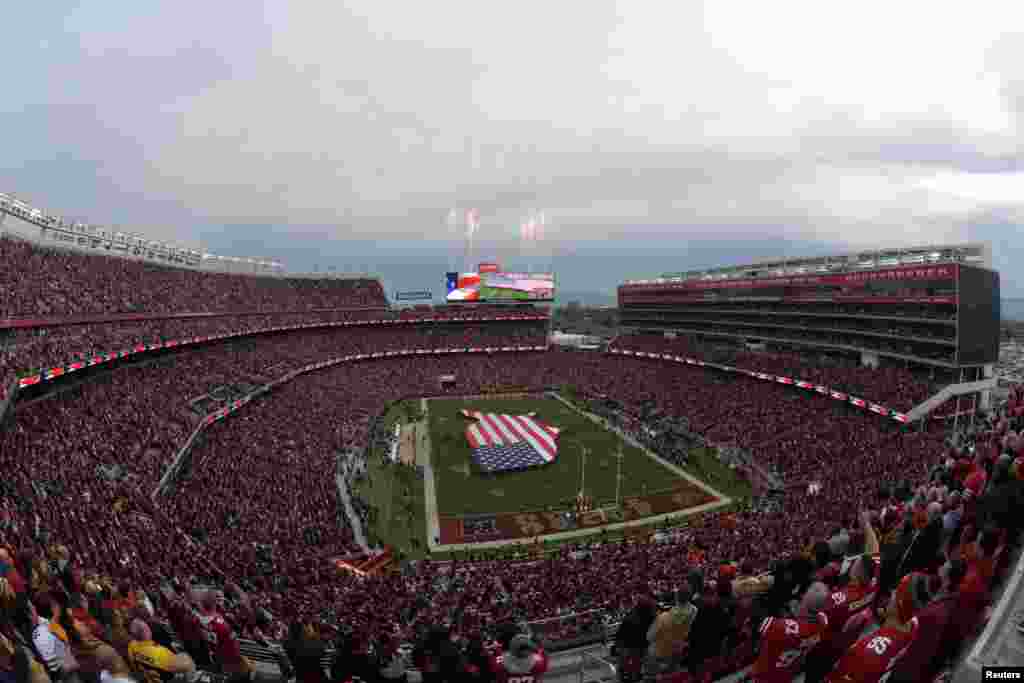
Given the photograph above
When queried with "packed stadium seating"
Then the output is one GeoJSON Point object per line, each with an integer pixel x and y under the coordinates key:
{"type": "Point", "coordinates": [282, 451]}
{"type": "Point", "coordinates": [257, 505]}
{"type": "Point", "coordinates": [41, 282]}
{"type": "Point", "coordinates": [891, 386]}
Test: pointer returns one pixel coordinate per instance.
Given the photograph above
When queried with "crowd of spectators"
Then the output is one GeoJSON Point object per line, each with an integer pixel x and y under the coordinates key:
{"type": "Point", "coordinates": [889, 385]}
{"type": "Point", "coordinates": [42, 282]}
{"type": "Point", "coordinates": [256, 512]}
{"type": "Point", "coordinates": [24, 350]}
{"type": "Point", "coordinates": [671, 438]}
{"type": "Point", "coordinates": [952, 525]}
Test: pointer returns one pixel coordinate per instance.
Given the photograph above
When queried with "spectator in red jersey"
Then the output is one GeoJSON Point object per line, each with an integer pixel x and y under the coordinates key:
{"type": "Point", "coordinates": [856, 595]}
{"type": "Point", "coordinates": [221, 639]}
{"type": "Point", "coordinates": [785, 642]}
{"type": "Point", "coordinates": [936, 638]}
{"type": "Point", "coordinates": [185, 622]}
{"type": "Point", "coordinates": [523, 661]}
{"type": "Point", "coordinates": [873, 657]}
{"type": "Point", "coordinates": [980, 557]}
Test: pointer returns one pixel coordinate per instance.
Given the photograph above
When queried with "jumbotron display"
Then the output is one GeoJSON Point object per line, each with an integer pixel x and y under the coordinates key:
{"type": "Point", "coordinates": [497, 287]}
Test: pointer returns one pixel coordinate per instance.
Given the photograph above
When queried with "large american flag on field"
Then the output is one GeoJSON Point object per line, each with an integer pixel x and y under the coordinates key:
{"type": "Point", "coordinates": [510, 442]}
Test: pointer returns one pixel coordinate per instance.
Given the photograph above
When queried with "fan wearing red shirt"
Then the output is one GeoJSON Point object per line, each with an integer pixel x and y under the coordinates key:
{"type": "Point", "coordinates": [785, 642]}
{"type": "Point", "coordinates": [843, 604]}
{"type": "Point", "coordinates": [937, 631]}
{"type": "Point", "coordinates": [221, 639]}
{"type": "Point", "coordinates": [523, 662]}
{"type": "Point", "coordinates": [980, 557]}
{"type": "Point", "coordinates": [872, 658]}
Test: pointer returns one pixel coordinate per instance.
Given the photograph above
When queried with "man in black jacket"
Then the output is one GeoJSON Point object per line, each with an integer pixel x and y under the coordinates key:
{"type": "Point", "coordinates": [631, 640]}
{"type": "Point", "coordinates": [715, 619]}
{"type": "Point", "coordinates": [1003, 499]}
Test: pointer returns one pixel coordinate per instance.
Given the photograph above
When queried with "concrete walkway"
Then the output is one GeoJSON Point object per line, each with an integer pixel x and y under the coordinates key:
{"type": "Point", "coordinates": [353, 518]}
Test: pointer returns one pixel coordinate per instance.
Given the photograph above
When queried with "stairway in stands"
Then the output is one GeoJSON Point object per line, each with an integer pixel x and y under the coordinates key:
{"type": "Point", "coordinates": [376, 564]}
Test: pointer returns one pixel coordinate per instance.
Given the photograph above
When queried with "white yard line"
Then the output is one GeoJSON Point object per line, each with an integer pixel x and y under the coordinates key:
{"type": "Point", "coordinates": [434, 524]}
{"type": "Point", "coordinates": [650, 454]}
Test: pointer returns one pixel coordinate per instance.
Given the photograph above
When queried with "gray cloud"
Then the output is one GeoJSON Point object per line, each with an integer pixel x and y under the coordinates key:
{"type": "Point", "coordinates": [369, 119]}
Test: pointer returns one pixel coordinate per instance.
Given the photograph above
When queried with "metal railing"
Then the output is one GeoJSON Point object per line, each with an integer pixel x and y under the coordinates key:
{"type": "Point", "coordinates": [605, 668]}
{"type": "Point", "coordinates": [575, 629]}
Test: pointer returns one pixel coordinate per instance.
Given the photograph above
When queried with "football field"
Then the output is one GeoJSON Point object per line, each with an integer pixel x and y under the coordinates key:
{"type": "Point", "coordinates": [587, 457]}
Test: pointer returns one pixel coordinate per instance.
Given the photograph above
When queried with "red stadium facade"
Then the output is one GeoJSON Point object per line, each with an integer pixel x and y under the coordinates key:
{"type": "Point", "coordinates": [932, 311]}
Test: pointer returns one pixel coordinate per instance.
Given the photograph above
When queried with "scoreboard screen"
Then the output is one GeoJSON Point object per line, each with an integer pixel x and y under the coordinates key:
{"type": "Point", "coordinates": [495, 287]}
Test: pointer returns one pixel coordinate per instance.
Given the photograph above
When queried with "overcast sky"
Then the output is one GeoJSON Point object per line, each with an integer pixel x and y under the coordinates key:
{"type": "Point", "coordinates": [656, 136]}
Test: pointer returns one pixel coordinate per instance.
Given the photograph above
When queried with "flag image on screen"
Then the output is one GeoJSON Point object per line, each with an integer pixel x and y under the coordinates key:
{"type": "Point", "coordinates": [466, 287]}
{"type": "Point", "coordinates": [502, 443]}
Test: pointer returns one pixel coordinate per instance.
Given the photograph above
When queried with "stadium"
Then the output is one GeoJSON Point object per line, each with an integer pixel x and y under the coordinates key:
{"type": "Point", "coordinates": [375, 488]}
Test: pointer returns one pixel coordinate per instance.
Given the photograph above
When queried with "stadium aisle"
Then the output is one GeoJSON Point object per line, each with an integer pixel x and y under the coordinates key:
{"type": "Point", "coordinates": [353, 518]}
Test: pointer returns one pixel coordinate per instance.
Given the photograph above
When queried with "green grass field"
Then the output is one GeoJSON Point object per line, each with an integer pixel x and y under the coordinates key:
{"type": "Point", "coordinates": [462, 489]}
{"type": "Point", "coordinates": [399, 495]}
